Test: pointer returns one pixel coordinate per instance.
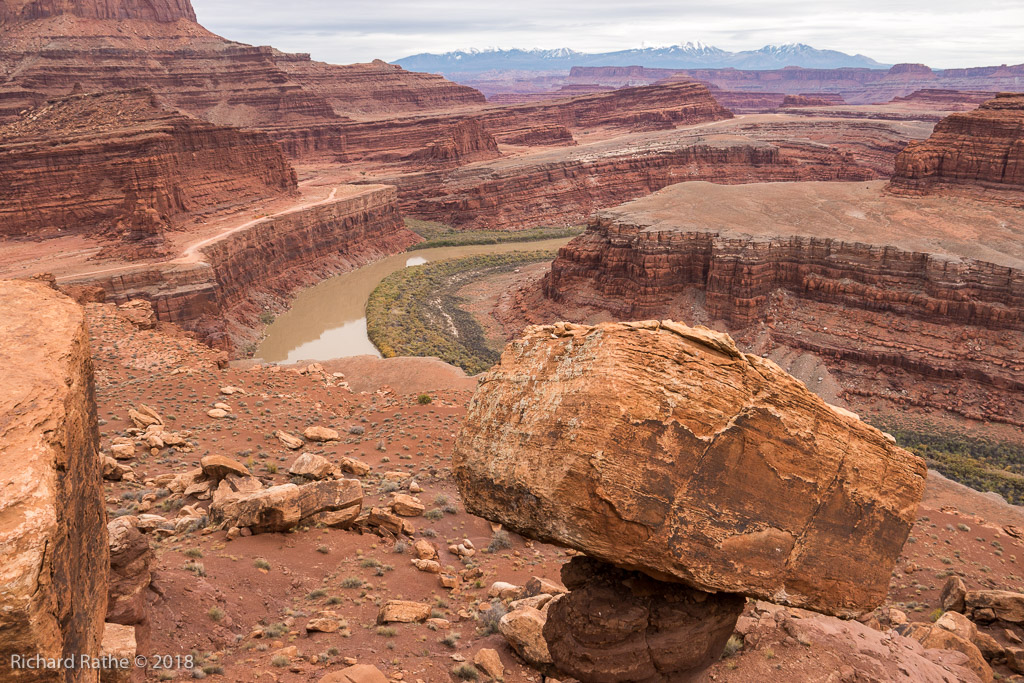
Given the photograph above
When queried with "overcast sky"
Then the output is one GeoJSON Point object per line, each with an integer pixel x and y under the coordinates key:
{"type": "Point", "coordinates": [940, 33]}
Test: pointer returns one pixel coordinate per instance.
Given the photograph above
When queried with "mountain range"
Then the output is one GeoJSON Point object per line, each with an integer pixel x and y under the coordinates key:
{"type": "Point", "coordinates": [688, 56]}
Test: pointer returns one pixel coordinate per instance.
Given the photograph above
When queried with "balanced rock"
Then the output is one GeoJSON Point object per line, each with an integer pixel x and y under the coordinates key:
{"type": "Point", "coordinates": [660, 447]}
{"type": "Point", "coordinates": [618, 625]}
{"type": "Point", "coordinates": [280, 508]}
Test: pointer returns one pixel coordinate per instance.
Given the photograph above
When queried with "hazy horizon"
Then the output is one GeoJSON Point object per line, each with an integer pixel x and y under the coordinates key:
{"type": "Point", "coordinates": [941, 34]}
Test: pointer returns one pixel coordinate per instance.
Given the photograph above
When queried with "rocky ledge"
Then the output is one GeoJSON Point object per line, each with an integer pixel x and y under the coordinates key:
{"type": "Point", "coordinates": [53, 537]}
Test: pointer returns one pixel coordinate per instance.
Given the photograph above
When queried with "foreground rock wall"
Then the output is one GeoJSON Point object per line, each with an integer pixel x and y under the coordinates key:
{"type": "Point", "coordinates": [216, 292]}
{"type": "Point", "coordinates": [980, 149]}
{"type": "Point", "coordinates": [120, 164]}
{"type": "Point", "coordinates": [53, 545]}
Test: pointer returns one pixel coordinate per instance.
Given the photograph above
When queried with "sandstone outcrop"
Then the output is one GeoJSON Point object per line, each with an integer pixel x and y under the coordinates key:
{"type": "Point", "coordinates": [118, 163]}
{"type": "Point", "coordinates": [53, 546]}
{"type": "Point", "coordinates": [888, 309]}
{"type": "Point", "coordinates": [616, 625]}
{"type": "Point", "coordinates": [981, 149]}
{"type": "Point", "coordinates": [465, 141]}
{"type": "Point", "coordinates": [280, 508]}
{"type": "Point", "coordinates": [663, 448]}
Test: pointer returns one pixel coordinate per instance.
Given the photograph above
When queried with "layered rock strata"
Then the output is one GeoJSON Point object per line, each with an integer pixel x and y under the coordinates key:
{"type": "Point", "coordinates": [884, 291]}
{"type": "Point", "coordinates": [215, 291]}
{"type": "Point", "coordinates": [53, 546]}
{"type": "Point", "coordinates": [662, 448]}
{"type": "Point", "coordinates": [120, 165]}
{"type": "Point", "coordinates": [52, 49]}
{"type": "Point", "coordinates": [564, 186]}
{"type": "Point", "coordinates": [982, 149]}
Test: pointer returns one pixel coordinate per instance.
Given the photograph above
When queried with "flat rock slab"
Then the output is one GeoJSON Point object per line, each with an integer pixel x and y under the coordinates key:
{"type": "Point", "coordinates": [662, 448]}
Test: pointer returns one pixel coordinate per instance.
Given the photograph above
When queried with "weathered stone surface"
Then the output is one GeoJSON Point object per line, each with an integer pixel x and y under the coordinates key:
{"type": "Point", "coordinates": [523, 628]}
{"type": "Point", "coordinates": [53, 546]}
{"type": "Point", "coordinates": [615, 625]}
{"type": "Point", "coordinates": [320, 433]}
{"type": "Point", "coordinates": [218, 467]}
{"type": "Point", "coordinates": [952, 597]}
{"type": "Point", "coordinates": [289, 440]}
{"type": "Point", "coordinates": [937, 638]}
{"type": "Point", "coordinates": [360, 673]}
{"type": "Point", "coordinates": [1005, 605]}
{"type": "Point", "coordinates": [130, 576]}
{"type": "Point", "coordinates": [403, 611]}
{"type": "Point", "coordinates": [488, 661]}
{"type": "Point", "coordinates": [660, 447]}
{"type": "Point", "coordinates": [280, 508]}
{"type": "Point", "coordinates": [405, 505]}
{"type": "Point", "coordinates": [313, 466]}
{"type": "Point", "coordinates": [119, 645]}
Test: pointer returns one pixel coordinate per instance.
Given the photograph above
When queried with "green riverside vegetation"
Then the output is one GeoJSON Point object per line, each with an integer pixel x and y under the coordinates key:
{"type": "Point", "coordinates": [982, 464]}
{"type": "Point", "coordinates": [417, 312]}
{"type": "Point", "coordinates": [441, 235]}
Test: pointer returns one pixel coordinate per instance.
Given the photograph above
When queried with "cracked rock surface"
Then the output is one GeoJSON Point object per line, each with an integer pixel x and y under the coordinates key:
{"type": "Point", "coordinates": [662, 448]}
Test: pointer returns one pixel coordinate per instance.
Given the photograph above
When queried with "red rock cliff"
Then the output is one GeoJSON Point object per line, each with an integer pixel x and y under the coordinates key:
{"type": "Point", "coordinates": [148, 10]}
{"type": "Point", "coordinates": [982, 149]}
{"type": "Point", "coordinates": [118, 163]}
{"type": "Point", "coordinates": [53, 539]}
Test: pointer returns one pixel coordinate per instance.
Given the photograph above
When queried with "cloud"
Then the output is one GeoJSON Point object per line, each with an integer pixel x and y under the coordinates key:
{"type": "Point", "coordinates": [940, 33]}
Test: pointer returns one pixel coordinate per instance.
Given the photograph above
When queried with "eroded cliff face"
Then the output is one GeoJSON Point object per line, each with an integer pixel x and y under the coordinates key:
{"type": "Point", "coordinates": [53, 539]}
{"type": "Point", "coordinates": [980, 149]}
{"type": "Point", "coordinates": [121, 165]}
{"type": "Point", "coordinates": [543, 190]}
{"type": "Point", "coordinates": [937, 331]}
{"type": "Point", "coordinates": [221, 291]}
{"type": "Point", "coordinates": [55, 47]}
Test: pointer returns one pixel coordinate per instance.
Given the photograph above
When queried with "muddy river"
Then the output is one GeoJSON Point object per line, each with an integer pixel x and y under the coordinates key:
{"type": "Point", "coordinates": [329, 319]}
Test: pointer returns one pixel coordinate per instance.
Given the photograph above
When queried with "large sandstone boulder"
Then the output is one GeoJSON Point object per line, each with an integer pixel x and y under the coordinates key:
{"type": "Point", "coordinates": [663, 448]}
{"type": "Point", "coordinates": [53, 545]}
{"type": "Point", "coordinates": [280, 508]}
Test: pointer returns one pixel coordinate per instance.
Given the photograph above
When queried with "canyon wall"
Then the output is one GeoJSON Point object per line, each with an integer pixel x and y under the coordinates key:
{"type": "Point", "coordinates": [121, 165]}
{"type": "Point", "coordinates": [856, 85]}
{"type": "Point", "coordinates": [888, 321]}
{"type": "Point", "coordinates": [53, 536]}
{"type": "Point", "coordinates": [55, 47]}
{"type": "Point", "coordinates": [220, 292]}
{"type": "Point", "coordinates": [524, 193]}
{"type": "Point", "coordinates": [660, 107]}
{"type": "Point", "coordinates": [980, 149]}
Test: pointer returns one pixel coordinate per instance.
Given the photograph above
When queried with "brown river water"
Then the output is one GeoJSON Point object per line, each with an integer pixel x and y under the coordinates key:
{"type": "Point", "coordinates": [328, 320]}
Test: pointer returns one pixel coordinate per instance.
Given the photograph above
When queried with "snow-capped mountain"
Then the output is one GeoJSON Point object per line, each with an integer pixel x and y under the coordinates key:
{"type": "Point", "coordinates": [685, 56]}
